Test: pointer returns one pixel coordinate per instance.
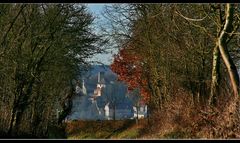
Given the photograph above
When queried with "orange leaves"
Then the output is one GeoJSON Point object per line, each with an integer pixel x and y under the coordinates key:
{"type": "Point", "coordinates": [127, 65]}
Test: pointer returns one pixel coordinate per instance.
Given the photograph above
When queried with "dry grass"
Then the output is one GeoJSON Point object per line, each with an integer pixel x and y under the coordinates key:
{"type": "Point", "coordinates": [121, 129]}
{"type": "Point", "coordinates": [182, 119]}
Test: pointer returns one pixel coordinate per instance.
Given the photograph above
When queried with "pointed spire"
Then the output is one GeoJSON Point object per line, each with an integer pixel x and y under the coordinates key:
{"type": "Point", "coordinates": [84, 90]}
{"type": "Point", "coordinates": [98, 77]}
{"type": "Point", "coordinates": [83, 85]}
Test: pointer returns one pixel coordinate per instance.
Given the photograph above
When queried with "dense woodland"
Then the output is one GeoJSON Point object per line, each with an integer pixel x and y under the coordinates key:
{"type": "Point", "coordinates": [43, 48]}
{"type": "Point", "coordinates": [183, 58]}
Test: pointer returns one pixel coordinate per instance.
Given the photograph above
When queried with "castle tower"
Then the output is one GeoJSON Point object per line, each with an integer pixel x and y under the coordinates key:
{"type": "Point", "coordinates": [100, 84]}
{"type": "Point", "coordinates": [101, 81]}
{"type": "Point", "coordinates": [84, 90]}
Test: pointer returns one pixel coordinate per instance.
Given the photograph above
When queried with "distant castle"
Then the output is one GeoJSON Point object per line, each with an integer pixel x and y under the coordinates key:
{"type": "Point", "coordinates": [102, 97]}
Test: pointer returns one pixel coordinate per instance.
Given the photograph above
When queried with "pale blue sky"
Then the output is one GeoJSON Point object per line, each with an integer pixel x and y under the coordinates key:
{"type": "Point", "coordinates": [97, 9]}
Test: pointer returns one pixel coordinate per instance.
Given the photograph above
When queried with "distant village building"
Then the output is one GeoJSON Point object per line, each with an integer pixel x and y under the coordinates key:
{"type": "Point", "coordinates": [107, 111]}
{"type": "Point", "coordinates": [80, 91]}
{"type": "Point", "coordinates": [104, 98]}
{"type": "Point", "coordinates": [84, 90]}
{"type": "Point", "coordinates": [118, 111]}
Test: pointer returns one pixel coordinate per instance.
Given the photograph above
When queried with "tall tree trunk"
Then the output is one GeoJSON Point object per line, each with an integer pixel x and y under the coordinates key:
{"type": "Point", "coordinates": [15, 118]}
{"type": "Point", "coordinates": [160, 98]}
{"type": "Point", "coordinates": [18, 118]}
{"type": "Point", "coordinates": [232, 70]}
{"type": "Point", "coordinates": [12, 121]}
{"type": "Point", "coordinates": [137, 113]}
{"type": "Point", "coordinates": [114, 111]}
{"type": "Point", "coordinates": [215, 76]}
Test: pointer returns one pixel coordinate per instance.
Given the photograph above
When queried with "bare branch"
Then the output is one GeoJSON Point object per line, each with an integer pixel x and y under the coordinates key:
{"type": "Point", "coordinates": [189, 19]}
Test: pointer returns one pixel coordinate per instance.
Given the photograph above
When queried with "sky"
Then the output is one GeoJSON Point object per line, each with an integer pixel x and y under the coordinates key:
{"type": "Point", "coordinates": [96, 10]}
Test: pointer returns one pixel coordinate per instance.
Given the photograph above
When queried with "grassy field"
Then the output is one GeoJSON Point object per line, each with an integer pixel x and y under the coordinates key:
{"type": "Point", "coordinates": [121, 129]}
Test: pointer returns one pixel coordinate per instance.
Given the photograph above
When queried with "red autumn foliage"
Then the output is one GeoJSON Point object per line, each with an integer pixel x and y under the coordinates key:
{"type": "Point", "coordinates": [128, 66]}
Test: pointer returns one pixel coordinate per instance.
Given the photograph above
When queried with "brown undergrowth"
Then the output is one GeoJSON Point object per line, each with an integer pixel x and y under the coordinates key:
{"type": "Point", "coordinates": [181, 118]}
